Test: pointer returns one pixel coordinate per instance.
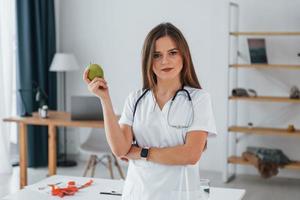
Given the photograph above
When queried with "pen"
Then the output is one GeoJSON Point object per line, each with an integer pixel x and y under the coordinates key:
{"type": "Point", "coordinates": [111, 193]}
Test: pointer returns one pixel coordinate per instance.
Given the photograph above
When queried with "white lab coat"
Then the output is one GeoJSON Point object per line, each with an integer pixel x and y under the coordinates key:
{"type": "Point", "coordinates": [148, 180]}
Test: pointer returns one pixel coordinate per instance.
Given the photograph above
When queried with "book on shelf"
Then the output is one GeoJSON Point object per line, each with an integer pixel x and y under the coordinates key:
{"type": "Point", "coordinates": [257, 50]}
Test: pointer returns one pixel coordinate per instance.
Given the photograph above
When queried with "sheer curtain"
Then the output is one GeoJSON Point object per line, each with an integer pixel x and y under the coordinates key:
{"type": "Point", "coordinates": [7, 81]}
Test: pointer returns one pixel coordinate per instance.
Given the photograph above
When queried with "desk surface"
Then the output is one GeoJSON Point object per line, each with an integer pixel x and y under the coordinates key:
{"type": "Point", "coordinates": [56, 118]}
{"type": "Point", "coordinates": [34, 192]}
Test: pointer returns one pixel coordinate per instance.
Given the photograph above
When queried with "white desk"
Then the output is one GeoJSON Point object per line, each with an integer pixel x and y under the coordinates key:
{"type": "Point", "coordinates": [33, 192]}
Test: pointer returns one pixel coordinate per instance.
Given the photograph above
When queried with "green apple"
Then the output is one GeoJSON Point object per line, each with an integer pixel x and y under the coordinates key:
{"type": "Point", "coordinates": [95, 70]}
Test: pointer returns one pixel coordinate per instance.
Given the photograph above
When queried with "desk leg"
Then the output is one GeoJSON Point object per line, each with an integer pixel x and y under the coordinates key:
{"type": "Point", "coordinates": [51, 150]}
{"type": "Point", "coordinates": [23, 154]}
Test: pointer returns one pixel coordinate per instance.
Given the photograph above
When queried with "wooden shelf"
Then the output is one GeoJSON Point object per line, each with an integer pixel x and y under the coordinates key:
{"type": "Point", "coordinates": [239, 160]}
{"type": "Point", "coordinates": [265, 66]}
{"type": "Point", "coordinates": [265, 33]}
{"type": "Point", "coordinates": [266, 99]}
{"type": "Point", "coordinates": [263, 131]}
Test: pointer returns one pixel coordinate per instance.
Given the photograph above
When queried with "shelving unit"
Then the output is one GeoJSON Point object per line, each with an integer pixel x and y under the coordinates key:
{"type": "Point", "coordinates": [266, 66]}
{"type": "Point", "coordinates": [264, 33]}
{"type": "Point", "coordinates": [263, 131]}
{"type": "Point", "coordinates": [266, 99]}
{"type": "Point", "coordinates": [239, 160]}
{"type": "Point", "coordinates": [232, 159]}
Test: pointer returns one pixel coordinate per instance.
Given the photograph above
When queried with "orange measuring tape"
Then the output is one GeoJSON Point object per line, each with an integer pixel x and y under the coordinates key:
{"type": "Point", "coordinates": [71, 189]}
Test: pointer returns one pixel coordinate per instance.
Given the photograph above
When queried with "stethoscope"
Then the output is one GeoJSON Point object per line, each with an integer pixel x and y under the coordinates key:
{"type": "Point", "coordinates": [168, 115]}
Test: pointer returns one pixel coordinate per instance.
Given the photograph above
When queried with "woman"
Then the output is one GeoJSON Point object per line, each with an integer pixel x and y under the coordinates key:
{"type": "Point", "coordinates": [162, 139]}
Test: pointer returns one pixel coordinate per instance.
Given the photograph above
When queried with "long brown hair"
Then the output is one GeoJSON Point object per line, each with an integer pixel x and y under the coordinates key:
{"type": "Point", "coordinates": [188, 76]}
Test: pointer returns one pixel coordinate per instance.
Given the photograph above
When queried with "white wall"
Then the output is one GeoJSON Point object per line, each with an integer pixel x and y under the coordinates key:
{"type": "Point", "coordinates": [111, 33]}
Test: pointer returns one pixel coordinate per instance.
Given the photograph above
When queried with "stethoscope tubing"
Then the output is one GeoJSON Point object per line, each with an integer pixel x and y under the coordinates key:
{"type": "Point", "coordinates": [173, 99]}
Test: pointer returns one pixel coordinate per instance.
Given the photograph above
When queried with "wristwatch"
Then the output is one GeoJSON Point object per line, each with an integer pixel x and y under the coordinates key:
{"type": "Point", "coordinates": [144, 153]}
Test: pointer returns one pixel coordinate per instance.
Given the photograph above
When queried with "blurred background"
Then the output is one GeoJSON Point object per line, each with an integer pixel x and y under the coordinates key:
{"type": "Point", "coordinates": [111, 33]}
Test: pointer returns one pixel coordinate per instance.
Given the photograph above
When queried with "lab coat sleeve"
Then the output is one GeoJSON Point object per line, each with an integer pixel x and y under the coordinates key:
{"type": "Point", "coordinates": [127, 114]}
{"type": "Point", "coordinates": [203, 115]}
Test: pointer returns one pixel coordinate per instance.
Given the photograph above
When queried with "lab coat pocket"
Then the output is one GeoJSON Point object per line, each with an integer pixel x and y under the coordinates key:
{"type": "Point", "coordinates": [186, 195]}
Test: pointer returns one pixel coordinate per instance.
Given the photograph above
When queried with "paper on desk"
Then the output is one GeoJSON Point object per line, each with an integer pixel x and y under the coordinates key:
{"type": "Point", "coordinates": [91, 192]}
{"type": "Point", "coordinates": [110, 197]}
{"type": "Point", "coordinates": [26, 194]}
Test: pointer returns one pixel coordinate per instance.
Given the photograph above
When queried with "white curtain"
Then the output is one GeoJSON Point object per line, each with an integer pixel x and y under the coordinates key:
{"type": "Point", "coordinates": [7, 80]}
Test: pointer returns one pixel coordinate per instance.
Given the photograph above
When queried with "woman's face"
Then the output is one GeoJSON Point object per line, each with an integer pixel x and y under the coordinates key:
{"type": "Point", "coordinates": [167, 60]}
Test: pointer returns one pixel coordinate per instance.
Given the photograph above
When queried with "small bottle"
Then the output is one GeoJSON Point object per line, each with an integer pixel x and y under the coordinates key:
{"type": "Point", "coordinates": [44, 111]}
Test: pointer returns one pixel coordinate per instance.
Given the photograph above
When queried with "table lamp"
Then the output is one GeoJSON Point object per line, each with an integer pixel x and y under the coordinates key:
{"type": "Point", "coordinates": [62, 63]}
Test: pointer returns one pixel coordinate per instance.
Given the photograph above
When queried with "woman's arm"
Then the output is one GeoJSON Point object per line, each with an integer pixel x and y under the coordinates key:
{"type": "Point", "coordinates": [186, 154]}
{"type": "Point", "coordinates": [119, 137]}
